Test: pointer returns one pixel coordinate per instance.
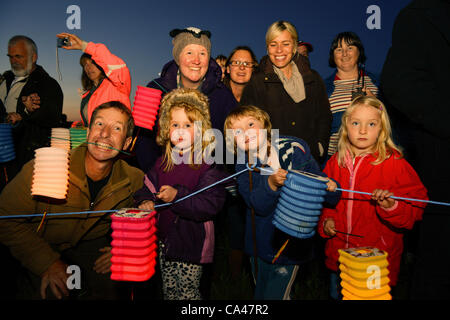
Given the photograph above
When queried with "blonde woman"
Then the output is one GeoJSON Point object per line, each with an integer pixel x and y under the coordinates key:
{"type": "Point", "coordinates": [291, 92]}
{"type": "Point", "coordinates": [186, 229]}
{"type": "Point", "coordinates": [368, 160]}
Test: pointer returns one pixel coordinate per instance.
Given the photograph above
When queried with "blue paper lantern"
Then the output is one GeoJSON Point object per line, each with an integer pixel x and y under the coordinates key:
{"type": "Point", "coordinates": [7, 152]}
{"type": "Point", "coordinates": [300, 204]}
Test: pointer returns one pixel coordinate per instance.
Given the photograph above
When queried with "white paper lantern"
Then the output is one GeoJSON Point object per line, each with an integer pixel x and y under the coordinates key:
{"type": "Point", "coordinates": [60, 138]}
{"type": "Point", "coordinates": [51, 172]}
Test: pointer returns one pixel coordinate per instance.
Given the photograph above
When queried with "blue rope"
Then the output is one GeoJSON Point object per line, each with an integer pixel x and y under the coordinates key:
{"type": "Point", "coordinates": [248, 167]}
{"type": "Point", "coordinates": [368, 193]}
{"type": "Point", "coordinates": [203, 189]}
{"type": "Point", "coordinates": [55, 214]}
{"type": "Point", "coordinates": [111, 211]}
{"type": "Point", "coordinates": [398, 198]}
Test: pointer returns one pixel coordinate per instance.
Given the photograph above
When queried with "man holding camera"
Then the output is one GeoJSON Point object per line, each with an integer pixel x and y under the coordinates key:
{"type": "Point", "coordinates": [31, 100]}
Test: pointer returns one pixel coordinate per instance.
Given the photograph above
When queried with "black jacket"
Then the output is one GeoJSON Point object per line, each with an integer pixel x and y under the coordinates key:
{"type": "Point", "coordinates": [309, 119]}
{"type": "Point", "coordinates": [34, 130]}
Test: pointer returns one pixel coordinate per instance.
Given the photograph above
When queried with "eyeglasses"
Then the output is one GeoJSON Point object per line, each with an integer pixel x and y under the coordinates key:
{"type": "Point", "coordinates": [235, 63]}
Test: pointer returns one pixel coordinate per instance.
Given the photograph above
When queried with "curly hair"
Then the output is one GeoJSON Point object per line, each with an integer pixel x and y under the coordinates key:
{"type": "Point", "coordinates": [196, 107]}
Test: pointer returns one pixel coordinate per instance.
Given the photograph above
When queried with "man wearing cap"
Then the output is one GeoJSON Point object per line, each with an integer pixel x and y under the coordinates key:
{"type": "Point", "coordinates": [304, 48]}
{"type": "Point", "coordinates": [194, 68]}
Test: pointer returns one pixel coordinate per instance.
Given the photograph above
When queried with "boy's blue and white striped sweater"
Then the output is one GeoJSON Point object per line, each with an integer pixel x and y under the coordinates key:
{"type": "Point", "coordinates": [293, 154]}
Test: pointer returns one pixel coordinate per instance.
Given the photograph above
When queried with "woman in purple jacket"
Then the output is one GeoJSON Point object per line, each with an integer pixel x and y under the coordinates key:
{"type": "Point", "coordinates": [193, 68]}
{"type": "Point", "coordinates": [186, 228]}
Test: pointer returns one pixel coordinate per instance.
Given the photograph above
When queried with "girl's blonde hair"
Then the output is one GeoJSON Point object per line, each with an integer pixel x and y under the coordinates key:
{"type": "Point", "coordinates": [196, 106]}
{"type": "Point", "coordinates": [278, 27]}
{"type": "Point", "coordinates": [384, 146]}
{"type": "Point", "coordinates": [245, 111]}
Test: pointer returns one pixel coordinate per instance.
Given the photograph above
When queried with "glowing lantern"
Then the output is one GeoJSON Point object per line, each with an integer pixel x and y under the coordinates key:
{"type": "Point", "coordinates": [60, 138]}
{"type": "Point", "coordinates": [51, 172]}
{"type": "Point", "coordinates": [146, 105]}
{"type": "Point", "coordinates": [364, 274]}
{"type": "Point", "coordinates": [6, 143]}
{"type": "Point", "coordinates": [133, 245]}
{"type": "Point", "coordinates": [300, 203]}
{"type": "Point", "coordinates": [77, 136]}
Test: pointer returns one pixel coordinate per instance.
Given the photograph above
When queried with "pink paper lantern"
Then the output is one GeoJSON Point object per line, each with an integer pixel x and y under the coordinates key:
{"type": "Point", "coordinates": [51, 172]}
{"type": "Point", "coordinates": [133, 245]}
{"type": "Point", "coordinates": [146, 105]}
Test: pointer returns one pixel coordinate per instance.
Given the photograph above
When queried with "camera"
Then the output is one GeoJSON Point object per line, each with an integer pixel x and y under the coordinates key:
{"type": "Point", "coordinates": [62, 42]}
{"type": "Point", "coordinates": [358, 92]}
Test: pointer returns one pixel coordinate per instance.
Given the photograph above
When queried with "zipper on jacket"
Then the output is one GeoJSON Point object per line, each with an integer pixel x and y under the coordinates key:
{"type": "Point", "coordinates": [350, 203]}
{"type": "Point", "coordinates": [94, 204]}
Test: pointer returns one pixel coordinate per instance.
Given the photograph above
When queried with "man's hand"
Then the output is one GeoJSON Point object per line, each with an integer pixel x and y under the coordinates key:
{"type": "Point", "coordinates": [103, 264]}
{"type": "Point", "coordinates": [13, 117]}
{"type": "Point", "coordinates": [56, 277]}
{"type": "Point", "coordinates": [32, 102]}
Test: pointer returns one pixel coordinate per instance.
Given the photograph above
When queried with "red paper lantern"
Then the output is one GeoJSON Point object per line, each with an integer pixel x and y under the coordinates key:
{"type": "Point", "coordinates": [133, 245]}
{"type": "Point", "coordinates": [146, 105]}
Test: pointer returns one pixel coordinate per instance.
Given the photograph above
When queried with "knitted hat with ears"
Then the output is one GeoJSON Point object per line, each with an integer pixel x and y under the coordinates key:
{"type": "Point", "coordinates": [190, 35]}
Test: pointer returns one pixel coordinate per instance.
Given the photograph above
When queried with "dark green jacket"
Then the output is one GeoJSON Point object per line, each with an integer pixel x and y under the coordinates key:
{"type": "Point", "coordinates": [37, 251]}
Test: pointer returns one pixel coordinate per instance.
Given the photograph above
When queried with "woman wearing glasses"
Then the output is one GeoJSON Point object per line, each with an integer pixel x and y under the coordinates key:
{"type": "Point", "coordinates": [239, 68]}
{"type": "Point", "coordinates": [291, 92]}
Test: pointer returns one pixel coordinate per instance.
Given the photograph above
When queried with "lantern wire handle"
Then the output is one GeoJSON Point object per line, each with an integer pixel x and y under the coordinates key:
{"type": "Point", "coordinates": [135, 138]}
{"type": "Point", "coordinates": [42, 221]}
{"type": "Point", "coordinates": [280, 251]}
{"type": "Point", "coordinates": [43, 217]}
{"type": "Point", "coordinates": [349, 234]}
{"type": "Point", "coordinates": [6, 174]}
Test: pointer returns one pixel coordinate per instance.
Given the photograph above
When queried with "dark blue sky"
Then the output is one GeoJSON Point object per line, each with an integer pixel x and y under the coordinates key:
{"type": "Point", "coordinates": [137, 31]}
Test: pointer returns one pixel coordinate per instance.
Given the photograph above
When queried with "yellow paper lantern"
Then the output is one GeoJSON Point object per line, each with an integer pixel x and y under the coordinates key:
{"type": "Point", "coordinates": [51, 172]}
{"type": "Point", "coordinates": [60, 138]}
{"type": "Point", "coordinates": [364, 274]}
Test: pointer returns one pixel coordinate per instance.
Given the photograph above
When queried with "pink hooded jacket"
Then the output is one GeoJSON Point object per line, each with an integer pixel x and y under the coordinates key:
{"type": "Point", "coordinates": [117, 84]}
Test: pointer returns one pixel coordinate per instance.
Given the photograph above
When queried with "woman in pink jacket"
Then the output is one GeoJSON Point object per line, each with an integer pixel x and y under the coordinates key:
{"type": "Point", "coordinates": [105, 76]}
{"type": "Point", "coordinates": [367, 160]}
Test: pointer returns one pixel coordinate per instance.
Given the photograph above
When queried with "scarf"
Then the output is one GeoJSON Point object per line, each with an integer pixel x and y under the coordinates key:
{"type": "Point", "coordinates": [293, 86]}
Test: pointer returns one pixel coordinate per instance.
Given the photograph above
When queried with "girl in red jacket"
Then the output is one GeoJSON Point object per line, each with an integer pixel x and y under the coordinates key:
{"type": "Point", "coordinates": [368, 160]}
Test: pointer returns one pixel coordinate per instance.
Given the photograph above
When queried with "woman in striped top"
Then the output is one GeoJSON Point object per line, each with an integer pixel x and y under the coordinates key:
{"type": "Point", "coordinates": [347, 56]}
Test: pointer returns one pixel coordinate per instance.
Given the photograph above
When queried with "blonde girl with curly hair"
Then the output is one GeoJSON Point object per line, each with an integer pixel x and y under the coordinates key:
{"type": "Point", "coordinates": [185, 228]}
